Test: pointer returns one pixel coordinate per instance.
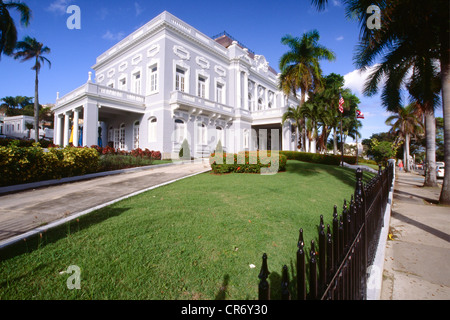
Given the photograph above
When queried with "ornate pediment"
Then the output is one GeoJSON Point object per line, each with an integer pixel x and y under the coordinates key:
{"type": "Point", "coordinates": [261, 63]}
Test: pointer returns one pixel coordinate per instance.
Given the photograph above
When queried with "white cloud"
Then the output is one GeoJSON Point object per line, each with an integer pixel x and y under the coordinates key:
{"type": "Point", "coordinates": [59, 6]}
{"type": "Point", "coordinates": [356, 79]}
{"type": "Point", "coordinates": [113, 36]}
{"type": "Point", "coordinates": [340, 38]}
{"type": "Point", "coordinates": [138, 9]}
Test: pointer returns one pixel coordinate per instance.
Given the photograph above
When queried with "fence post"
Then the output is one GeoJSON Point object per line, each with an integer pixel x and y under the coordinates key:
{"type": "Point", "coordinates": [335, 237]}
{"type": "Point", "coordinates": [263, 288]}
{"type": "Point", "coordinates": [330, 259]}
{"type": "Point", "coordinates": [285, 294]}
{"type": "Point", "coordinates": [322, 255]}
{"type": "Point", "coordinates": [313, 272]}
{"type": "Point", "coordinates": [301, 272]}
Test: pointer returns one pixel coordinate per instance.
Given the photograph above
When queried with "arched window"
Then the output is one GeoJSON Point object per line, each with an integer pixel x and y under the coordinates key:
{"type": "Point", "coordinates": [152, 122]}
{"type": "Point", "coordinates": [122, 145]}
{"type": "Point", "coordinates": [202, 134]}
{"type": "Point", "coordinates": [260, 104]}
{"type": "Point", "coordinates": [136, 135]}
{"type": "Point", "coordinates": [180, 128]}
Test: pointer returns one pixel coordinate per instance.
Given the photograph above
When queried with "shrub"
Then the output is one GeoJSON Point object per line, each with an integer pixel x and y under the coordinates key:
{"type": "Point", "coordinates": [318, 158]}
{"type": "Point", "coordinates": [30, 164]}
{"type": "Point", "coordinates": [246, 162]}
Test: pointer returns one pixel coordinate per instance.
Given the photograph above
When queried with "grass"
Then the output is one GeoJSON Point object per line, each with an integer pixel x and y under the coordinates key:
{"type": "Point", "coordinates": [193, 239]}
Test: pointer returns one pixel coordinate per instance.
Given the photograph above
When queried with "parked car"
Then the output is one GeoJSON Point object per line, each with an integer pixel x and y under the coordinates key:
{"type": "Point", "coordinates": [440, 171]}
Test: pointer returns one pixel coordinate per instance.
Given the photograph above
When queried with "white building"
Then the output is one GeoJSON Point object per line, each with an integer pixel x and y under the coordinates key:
{"type": "Point", "coordinates": [167, 82]}
{"type": "Point", "coordinates": [16, 126]}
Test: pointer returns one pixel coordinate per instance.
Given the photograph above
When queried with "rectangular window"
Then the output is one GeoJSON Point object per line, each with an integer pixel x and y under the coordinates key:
{"type": "Point", "coordinates": [137, 83]}
{"type": "Point", "coordinates": [201, 87]}
{"type": "Point", "coordinates": [219, 93]}
{"type": "Point", "coordinates": [123, 84]}
{"type": "Point", "coordinates": [153, 79]}
{"type": "Point", "coordinates": [179, 80]}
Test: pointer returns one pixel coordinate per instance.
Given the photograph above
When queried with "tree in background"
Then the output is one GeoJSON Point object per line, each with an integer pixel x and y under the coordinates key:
{"type": "Point", "coordinates": [31, 49]}
{"type": "Point", "coordinates": [405, 123]}
{"type": "Point", "coordinates": [300, 68]}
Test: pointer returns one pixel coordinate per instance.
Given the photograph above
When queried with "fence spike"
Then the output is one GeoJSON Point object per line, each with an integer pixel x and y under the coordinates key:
{"type": "Point", "coordinates": [300, 239]}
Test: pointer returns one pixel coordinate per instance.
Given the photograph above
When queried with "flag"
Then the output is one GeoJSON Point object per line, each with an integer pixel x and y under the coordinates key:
{"type": "Point", "coordinates": [359, 114]}
{"type": "Point", "coordinates": [341, 105]}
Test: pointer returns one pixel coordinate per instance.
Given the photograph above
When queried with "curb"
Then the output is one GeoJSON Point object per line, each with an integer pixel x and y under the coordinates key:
{"type": "Point", "coordinates": [375, 271]}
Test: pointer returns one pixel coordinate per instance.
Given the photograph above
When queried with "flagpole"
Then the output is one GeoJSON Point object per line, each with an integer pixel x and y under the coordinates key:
{"type": "Point", "coordinates": [356, 124]}
{"type": "Point", "coordinates": [342, 145]}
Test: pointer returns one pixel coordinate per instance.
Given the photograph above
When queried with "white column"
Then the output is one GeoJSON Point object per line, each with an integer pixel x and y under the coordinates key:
{"type": "Point", "coordinates": [59, 130]}
{"type": "Point", "coordinates": [266, 98]}
{"type": "Point", "coordinates": [66, 129]}
{"type": "Point", "coordinates": [238, 89]}
{"type": "Point", "coordinates": [90, 124]}
{"type": "Point", "coordinates": [76, 116]}
{"type": "Point", "coordinates": [246, 91]}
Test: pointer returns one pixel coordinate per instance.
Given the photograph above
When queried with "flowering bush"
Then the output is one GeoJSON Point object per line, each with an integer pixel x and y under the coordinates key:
{"type": "Point", "coordinates": [247, 162]}
{"type": "Point", "coordinates": [30, 164]}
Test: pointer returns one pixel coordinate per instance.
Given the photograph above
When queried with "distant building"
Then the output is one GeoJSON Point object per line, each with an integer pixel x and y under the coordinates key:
{"type": "Point", "coordinates": [167, 82]}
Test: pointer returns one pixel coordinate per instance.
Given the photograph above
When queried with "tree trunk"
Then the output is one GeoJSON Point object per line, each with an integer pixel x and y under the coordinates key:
{"type": "Point", "coordinates": [334, 141]}
{"type": "Point", "coordinates": [445, 81]}
{"type": "Point", "coordinates": [430, 132]}
{"type": "Point", "coordinates": [406, 153]}
{"type": "Point", "coordinates": [36, 108]}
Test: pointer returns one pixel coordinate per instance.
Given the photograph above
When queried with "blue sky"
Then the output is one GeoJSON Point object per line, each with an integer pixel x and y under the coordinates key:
{"type": "Point", "coordinates": [257, 24]}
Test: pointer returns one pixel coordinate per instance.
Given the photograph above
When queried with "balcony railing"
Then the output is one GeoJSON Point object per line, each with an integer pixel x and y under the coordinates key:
{"type": "Point", "coordinates": [103, 92]}
{"type": "Point", "coordinates": [182, 98]}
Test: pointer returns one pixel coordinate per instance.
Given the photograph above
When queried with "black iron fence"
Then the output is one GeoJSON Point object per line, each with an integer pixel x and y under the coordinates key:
{"type": "Point", "coordinates": [335, 268]}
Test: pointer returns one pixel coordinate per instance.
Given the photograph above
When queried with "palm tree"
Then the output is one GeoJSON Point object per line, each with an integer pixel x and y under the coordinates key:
{"type": "Point", "coordinates": [295, 115]}
{"type": "Point", "coordinates": [29, 49]}
{"type": "Point", "coordinates": [300, 68]}
{"type": "Point", "coordinates": [431, 36]}
{"type": "Point", "coordinates": [405, 124]}
{"type": "Point", "coordinates": [8, 31]}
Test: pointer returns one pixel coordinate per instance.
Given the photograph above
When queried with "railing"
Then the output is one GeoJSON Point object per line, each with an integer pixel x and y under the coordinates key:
{"type": "Point", "coordinates": [102, 91]}
{"type": "Point", "coordinates": [195, 101]}
{"type": "Point", "coordinates": [337, 267]}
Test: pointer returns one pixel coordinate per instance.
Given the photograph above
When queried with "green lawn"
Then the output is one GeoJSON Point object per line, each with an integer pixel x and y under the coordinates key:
{"type": "Point", "coordinates": [193, 239]}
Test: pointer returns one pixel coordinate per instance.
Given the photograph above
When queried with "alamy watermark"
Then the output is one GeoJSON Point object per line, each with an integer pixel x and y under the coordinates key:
{"type": "Point", "coordinates": [374, 20]}
{"type": "Point", "coordinates": [74, 21]}
{"type": "Point", "coordinates": [74, 281]}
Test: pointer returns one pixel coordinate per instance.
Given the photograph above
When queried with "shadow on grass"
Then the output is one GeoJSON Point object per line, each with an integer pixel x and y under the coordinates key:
{"type": "Point", "coordinates": [346, 175]}
{"type": "Point", "coordinates": [39, 241]}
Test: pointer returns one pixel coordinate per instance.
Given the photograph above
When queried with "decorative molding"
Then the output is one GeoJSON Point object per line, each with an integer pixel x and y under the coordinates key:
{"type": "Point", "coordinates": [123, 66]}
{"type": "Point", "coordinates": [181, 52]}
{"type": "Point", "coordinates": [153, 50]}
{"type": "Point", "coordinates": [202, 62]}
{"type": "Point", "coordinates": [220, 71]}
{"type": "Point", "coordinates": [136, 59]}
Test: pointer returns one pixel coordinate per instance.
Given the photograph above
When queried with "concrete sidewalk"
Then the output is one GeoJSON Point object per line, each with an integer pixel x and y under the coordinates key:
{"type": "Point", "coordinates": [417, 258]}
{"type": "Point", "coordinates": [27, 212]}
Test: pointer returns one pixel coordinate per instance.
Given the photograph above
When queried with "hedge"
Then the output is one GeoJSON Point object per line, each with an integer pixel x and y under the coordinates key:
{"type": "Point", "coordinates": [247, 162]}
{"type": "Point", "coordinates": [30, 164]}
{"type": "Point", "coordinates": [318, 158]}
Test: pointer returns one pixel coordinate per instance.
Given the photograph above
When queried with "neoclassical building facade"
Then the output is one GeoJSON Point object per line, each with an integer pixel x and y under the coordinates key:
{"type": "Point", "coordinates": [167, 82]}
